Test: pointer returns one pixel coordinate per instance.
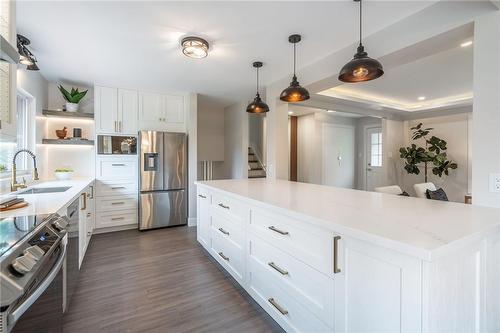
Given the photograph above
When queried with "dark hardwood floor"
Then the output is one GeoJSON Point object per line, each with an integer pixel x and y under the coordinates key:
{"type": "Point", "coordinates": [158, 281]}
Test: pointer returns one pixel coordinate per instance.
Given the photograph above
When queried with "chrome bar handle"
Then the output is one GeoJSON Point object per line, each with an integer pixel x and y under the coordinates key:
{"type": "Point", "coordinates": [117, 203]}
{"type": "Point", "coordinates": [202, 196]}
{"type": "Point", "coordinates": [117, 187]}
{"type": "Point", "coordinates": [336, 268]}
{"type": "Point", "coordinates": [117, 218]}
{"type": "Point", "coordinates": [223, 206]}
{"type": "Point", "coordinates": [223, 256]}
{"type": "Point", "coordinates": [273, 228]}
{"type": "Point", "coordinates": [224, 231]}
{"type": "Point", "coordinates": [277, 306]}
{"type": "Point", "coordinates": [84, 196]}
{"type": "Point", "coordinates": [277, 268]}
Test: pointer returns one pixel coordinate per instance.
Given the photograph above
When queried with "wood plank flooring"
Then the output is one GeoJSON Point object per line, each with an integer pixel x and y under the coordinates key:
{"type": "Point", "coordinates": [158, 281]}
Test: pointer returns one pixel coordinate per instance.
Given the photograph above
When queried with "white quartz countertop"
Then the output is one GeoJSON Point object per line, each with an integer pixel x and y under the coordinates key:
{"type": "Point", "coordinates": [48, 203]}
{"type": "Point", "coordinates": [419, 227]}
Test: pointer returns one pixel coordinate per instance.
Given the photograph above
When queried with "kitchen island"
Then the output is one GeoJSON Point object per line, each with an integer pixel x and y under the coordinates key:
{"type": "Point", "coordinates": [319, 258]}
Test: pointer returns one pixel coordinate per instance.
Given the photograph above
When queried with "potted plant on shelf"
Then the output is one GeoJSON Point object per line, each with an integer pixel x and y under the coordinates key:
{"type": "Point", "coordinates": [434, 152]}
{"type": "Point", "coordinates": [72, 98]}
{"type": "Point", "coordinates": [63, 173]}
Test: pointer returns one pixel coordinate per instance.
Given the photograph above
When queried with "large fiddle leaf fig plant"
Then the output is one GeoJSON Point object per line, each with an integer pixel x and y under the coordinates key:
{"type": "Point", "coordinates": [434, 153]}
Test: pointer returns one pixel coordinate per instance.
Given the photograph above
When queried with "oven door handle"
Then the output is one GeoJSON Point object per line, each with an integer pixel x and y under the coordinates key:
{"type": "Point", "coordinates": [21, 309]}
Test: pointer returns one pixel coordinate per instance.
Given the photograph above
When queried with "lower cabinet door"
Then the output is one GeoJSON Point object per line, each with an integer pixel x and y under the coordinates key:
{"type": "Point", "coordinates": [203, 224]}
{"type": "Point", "coordinates": [376, 290]}
{"type": "Point", "coordinates": [278, 302]}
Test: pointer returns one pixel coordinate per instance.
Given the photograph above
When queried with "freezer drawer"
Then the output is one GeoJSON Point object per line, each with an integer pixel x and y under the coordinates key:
{"type": "Point", "coordinates": [162, 209]}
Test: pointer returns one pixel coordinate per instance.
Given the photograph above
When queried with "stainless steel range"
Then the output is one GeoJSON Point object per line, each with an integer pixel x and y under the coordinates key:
{"type": "Point", "coordinates": [32, 254]}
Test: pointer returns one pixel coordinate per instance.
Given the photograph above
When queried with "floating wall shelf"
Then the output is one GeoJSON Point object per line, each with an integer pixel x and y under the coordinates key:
{"type": "Point", "coordinates": [66, 114]}
{"type": "Point", "coordinates": [68, 142]}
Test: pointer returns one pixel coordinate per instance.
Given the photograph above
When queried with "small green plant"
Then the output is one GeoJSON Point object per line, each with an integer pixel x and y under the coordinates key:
{"type": "Point", "coordinates": [434, 152]}
{"type": "Point", "coordinates": [63, 170]}
{"type": "Point", "coordinates": [73, 96]}
{"type": "Point", "coordinates": [3, 168]}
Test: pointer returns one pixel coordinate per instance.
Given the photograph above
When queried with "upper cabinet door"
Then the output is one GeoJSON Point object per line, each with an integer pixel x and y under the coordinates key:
{"type": "Point", "coordinates": [151, 115]}
{"type": "Point", "coordinates": [127, 111]}
{"type": "Point", "coordinates": [106, 110]}
{"type": "Point", "coordinates": [174, 108]}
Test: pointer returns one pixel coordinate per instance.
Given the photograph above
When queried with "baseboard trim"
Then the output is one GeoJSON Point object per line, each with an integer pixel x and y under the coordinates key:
{"type": "Point", "coordinates": [192, 222]}
{"type": "Point", "coordinates": [113, 229]}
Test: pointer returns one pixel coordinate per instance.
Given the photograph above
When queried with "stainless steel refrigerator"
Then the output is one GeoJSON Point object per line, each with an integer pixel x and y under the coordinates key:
{"type": "Point", "coordinates": [162, 179]}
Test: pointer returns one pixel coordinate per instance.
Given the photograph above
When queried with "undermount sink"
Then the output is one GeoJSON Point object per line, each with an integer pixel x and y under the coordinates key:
{"type": "Point", "coordinates": [39, 190]}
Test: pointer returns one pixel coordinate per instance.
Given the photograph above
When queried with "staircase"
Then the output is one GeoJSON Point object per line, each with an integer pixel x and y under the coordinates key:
{"type": "Point", "coordinates": [255, 167]}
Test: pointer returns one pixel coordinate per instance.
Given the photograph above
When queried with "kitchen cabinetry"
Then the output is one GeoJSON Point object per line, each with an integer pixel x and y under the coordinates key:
{"type": "Point", "coordinates": [115, 110]}
{"type": "Point", "coordinates": [203, 225]}
{"type": "Point", "coordinates": [161, 112]}
{"type": "Point", "coordinates": [86, 219]}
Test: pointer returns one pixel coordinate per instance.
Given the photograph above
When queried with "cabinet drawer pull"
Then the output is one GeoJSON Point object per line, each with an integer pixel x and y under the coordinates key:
{"type": "Point", "coordinates": [277, 268]}
{"type": "Point", "coordinates": [117, 187]}
{"type": "Point", "coordinates": [223, 256]}
{"type": "Point", "coordinates": [89, 215]}
{"type": "Point", "coordinates": [117, 203]}
{"type": "Point", "coordinates": [277, 306]}
{"type": "Point", "coordinates": [117, 218]}
{"type": "Point", "coordinates": [224, 231]}
{"type": "Point", "coordinates": [89, 233]}
{"type": "Point", "coordinates": [202, 196]}
{"type": "Point", "coordinates": [84, 206]}
{"type": "Point", "coordinates": [336, 268]}
{"type": "Point", "coordinates": [223, 206]}
{"type": "Point", "coordinates": [273, 228]}
{"type": "Point", "coordinates": [117, 164]}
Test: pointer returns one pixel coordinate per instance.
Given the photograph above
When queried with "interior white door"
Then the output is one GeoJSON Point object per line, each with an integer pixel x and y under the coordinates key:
{"type": "Point", "coordinates": [374, 176]}
{"type": "Point", "coordinates": [338, 155]}
{"type": "Point", "coordinates": [127, 111]}
{"type": "Point", "coordinates": [106, 110]}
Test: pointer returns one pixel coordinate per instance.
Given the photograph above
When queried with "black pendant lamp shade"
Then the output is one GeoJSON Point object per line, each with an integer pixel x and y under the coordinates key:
{"type": "Point", "coordinates": [294, 93]}
{"type": "Point", "coordinates": [361, 68]}
{"type": "Point", "coordinates": [257, 106]}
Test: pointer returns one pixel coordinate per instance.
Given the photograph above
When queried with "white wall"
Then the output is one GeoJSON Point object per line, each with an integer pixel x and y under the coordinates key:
{"type": "Point", "coordinates": [192, 130]}
{"type": "Point", "coordinates": [56, 101]}
{"type": "Point", "coordinates": [210, 134]}
{"type": "Point", "coordinates": [486, 115]}
{"type": "Point", "coordinates": [236, 141]}
{"type": "Point", "coordinates": [256, 133]}
{"type": "Point", "coordinates": [394, 136]}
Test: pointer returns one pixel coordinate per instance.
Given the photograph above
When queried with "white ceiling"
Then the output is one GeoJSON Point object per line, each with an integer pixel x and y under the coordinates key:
{"type": "Point", "coordinates": [299, 111]}
{"type": "Point", "coordinates": [444, 79]}
{"type": "Point", "coordinates": [136, 44]}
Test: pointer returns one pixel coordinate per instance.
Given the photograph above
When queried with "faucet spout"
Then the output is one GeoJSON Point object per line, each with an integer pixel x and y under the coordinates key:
{"type": "Point", "coordinates": [14, 185]}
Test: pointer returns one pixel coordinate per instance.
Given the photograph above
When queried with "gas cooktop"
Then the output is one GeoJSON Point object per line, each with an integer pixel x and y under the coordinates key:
{"type": "Point", "coordinates": [14, 229]}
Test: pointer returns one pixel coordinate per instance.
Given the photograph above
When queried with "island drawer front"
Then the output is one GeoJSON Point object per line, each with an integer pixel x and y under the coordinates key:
{"type": "Point", "coordinates": [312, 289]}
{"type": "Point", "coordinates": [229, 256]}
{"type": "Point", "coordinates": [228, 229]}
{"type": "Point", "coordinates": [279, 304]}
{"type": "Point", "coordinates": [116, 218]}
{"type": "Point", "coordinates": [122, 202]}
{"type": "Point", "coordinates": [115, 187]}
{"type": "Point", "coordinates": [229, 206]}
{"type": "Point", "coordinates": [307, 243]}
{"type": "Point", "coordinates": [116, 169]}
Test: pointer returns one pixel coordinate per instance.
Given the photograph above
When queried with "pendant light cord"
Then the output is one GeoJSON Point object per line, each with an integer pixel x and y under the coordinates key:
{"type": "Point", "coordinates": [257, 80]}
{"type": "Point", "coordinates": [294, 57]}
{"type": "Point", "coordinates": [360, 21]}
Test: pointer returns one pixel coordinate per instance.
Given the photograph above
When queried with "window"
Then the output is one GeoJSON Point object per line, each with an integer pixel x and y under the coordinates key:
{"type": "Point", "coordinates": [376, 149]}
{"type": "Point", "coordinates": [8, 149]}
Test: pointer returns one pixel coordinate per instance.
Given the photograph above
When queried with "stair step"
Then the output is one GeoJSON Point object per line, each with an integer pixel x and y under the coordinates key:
{"type": "Point", "coordinates": [255, 169]}
{"type": "Point", "coordinates": [256, 176]}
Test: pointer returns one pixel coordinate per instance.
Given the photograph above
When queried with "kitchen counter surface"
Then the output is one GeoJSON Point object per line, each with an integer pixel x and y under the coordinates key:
{"type": "Point", "coordinates": [419, 227]}
{"type": "Point", "coordinates": [48, 203]}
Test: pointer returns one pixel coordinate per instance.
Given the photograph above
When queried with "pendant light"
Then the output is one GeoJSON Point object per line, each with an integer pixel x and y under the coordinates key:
{"type": "Point", "coordinates": [361, 68]}
{"type": "Point", "coordinates": [294, 93]}
{"type": "Point", "coordinates": [257, 106]}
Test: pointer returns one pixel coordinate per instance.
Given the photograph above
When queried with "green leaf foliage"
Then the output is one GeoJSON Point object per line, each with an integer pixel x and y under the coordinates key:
{"type": "Point", "coordinates": [73, 96]}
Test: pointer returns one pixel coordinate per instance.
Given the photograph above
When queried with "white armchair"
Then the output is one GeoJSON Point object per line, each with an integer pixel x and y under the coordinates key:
{"type": "Point", "coordinates": [393, 189]}
{"type": "Point", "coordinates": [421, 189]}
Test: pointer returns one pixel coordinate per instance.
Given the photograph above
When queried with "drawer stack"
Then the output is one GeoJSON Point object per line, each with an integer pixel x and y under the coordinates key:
{"type": "Point", "coordinates": [227, 234]}
{"type": "Point", "coordinates": [116, 192]}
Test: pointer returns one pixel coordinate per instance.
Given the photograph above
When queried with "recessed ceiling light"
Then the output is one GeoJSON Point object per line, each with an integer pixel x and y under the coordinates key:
{"type": "Point", "coordinates": [421, 98]}
{"type": "Point", "coordinates": [194, 47]}
{"type": "Point", "coordinates": [290, 112]}
{"type": "Point", "coordinates": [330, 111]}
{"type": "Point", "coordinates": [465, 44]}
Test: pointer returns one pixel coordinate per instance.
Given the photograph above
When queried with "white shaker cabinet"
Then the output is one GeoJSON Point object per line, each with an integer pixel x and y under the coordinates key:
{"type": "Point", "coordinates": [161, 112]}
{"type": "Point", "coordinates": [86, 220]}
{"type": "Point", "coordinates": [115, 111]}
{"type": "Point", "coordinates": [203, 225]}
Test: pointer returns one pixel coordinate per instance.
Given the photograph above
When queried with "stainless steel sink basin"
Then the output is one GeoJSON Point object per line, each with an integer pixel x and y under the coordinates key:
{"type": "Point", "coordinates": [39, 190]}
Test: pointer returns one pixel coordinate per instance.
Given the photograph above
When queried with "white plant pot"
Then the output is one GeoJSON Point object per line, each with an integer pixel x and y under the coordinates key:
{"type": "Point", "coordinates": [71, 107]}
{"type": "Point", "coordinates": [63, 175]}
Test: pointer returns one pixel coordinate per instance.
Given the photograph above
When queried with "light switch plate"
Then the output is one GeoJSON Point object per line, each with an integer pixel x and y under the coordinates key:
{"type": "Point", "coordinates": [495, 182]}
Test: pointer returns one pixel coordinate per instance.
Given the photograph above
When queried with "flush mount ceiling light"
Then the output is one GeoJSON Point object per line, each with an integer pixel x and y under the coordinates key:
{"type": "Point", "coordinates": [257, 106]}
{"type": "Point", "coordinates": [194, 47]}
{"type": "Point", "coordinates": [294, 93]}
{"type": "Point", "coordinates": [361, 68]}
{"type": "Point", "coordinates": [421, 98]}
{"type": "Point", "coordinates": [25, 56]}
